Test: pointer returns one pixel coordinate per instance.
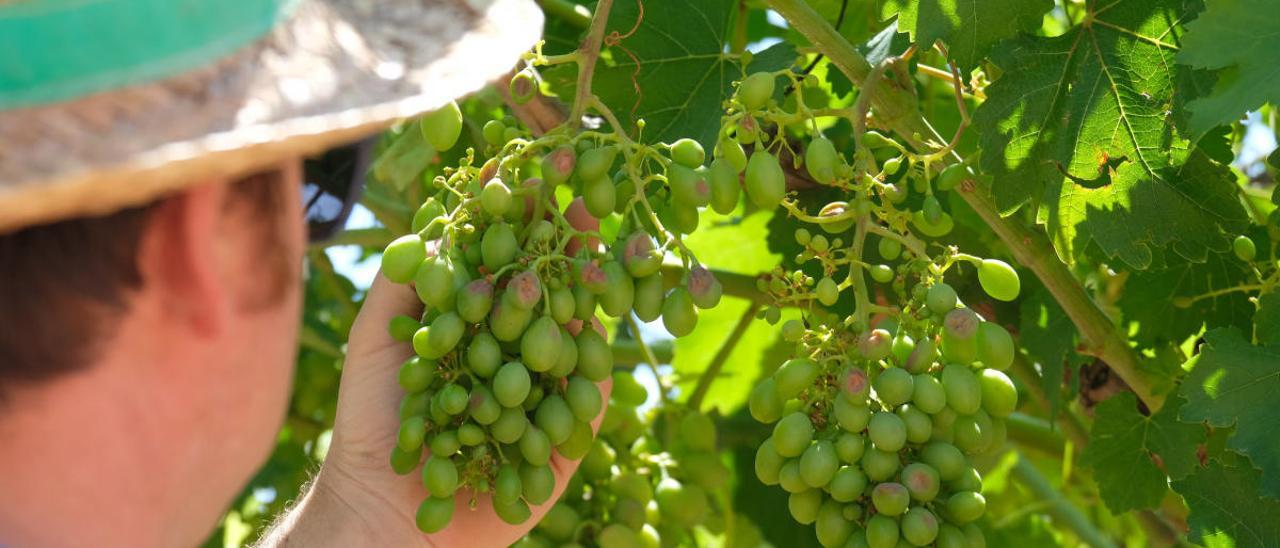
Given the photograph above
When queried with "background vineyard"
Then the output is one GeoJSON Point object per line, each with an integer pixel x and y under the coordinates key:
{"type": "Point", "coordinates": [1110, 135]}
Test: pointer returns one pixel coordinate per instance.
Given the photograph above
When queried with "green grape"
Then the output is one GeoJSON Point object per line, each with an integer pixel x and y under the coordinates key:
{"type": "Point", "coordinates": [511, 384]}
{"type": "Point", "coordinates": [849, 447]}
{"type": "Point", "coordinates": [950, 536]}
{"type": "Point", "coordinates": [951, 176]}
{"type": "Point", "coordinates": [540, 344]}
{"type": "Point", "coordinates": [402, 257]}
{"type": "Point", "coordinates": [403, 462]}
{"type": "Point", "coordinates": [434, 282]}
{"type": "Point", "coordinates": [617, 301]}
{"type": "Point", "coordinates": [599, 195]}
{"type": "Point", "coordinates": [768, 463]}
{"type": "Point", "coordinates": [818, 464]}
{"type": "Point", "coordinates": [403, 327]}
{"type": "Point", "coordinates": [1243, 247]}
{"type": "Point", "coordinates": [445, 444]}
{"type": "Point", "coordinates": [789, 477]}
{"type": "Point", "coordinates": [495, 198]}
{"type": "Point", "coordinates": [560, 522]}
{"type": "Point", "coordinates": [648, 298]}
{"type": "Point", "coordinates": [795, 375]}
{"type": "Point", "coordinates": [639, 256]}
{"type": "Point", "coordinates": [765, 404]}
{"type": "Point", "coordinates": [429, 210]}
{"type": "Point", "coordinates": [731, 151]}
{"type": "Point", "coordinates": [999, 280]}
{"type": "Point", "coordinates": [536, 393]}
{"type": "Point", "coordinates": [567, 359]}
{"type": "Point", "coordinates": [538, 482]}
{"type": "Point", "coordinates": [755, 90]}
{"type": "Point", "coordinates": [964, 393]}
{"type": "Point", "coordinates": [535, 446]}
{"type": "Point", "coordinates": [995, 346]}
{"type": "Point", "coordinates": [879, 465]}
{"type": "Point", "coordinates": [414, 404]}
{"type": "Point", "coordinates": [892, 165]}
{"type": "Point", "coordinates": [919, 526]}
{"type": "Point", "coordinates": [827, 291]}
{"type": "Point", "coordinates": [595, 163]}
{"type": "Point", "coordinates": [894, 386]}
{"type": "Point", "coordinates": [804, 505]}
{"type": "Point", "coordinates": [583, 398]}
{"type": "Point", "coordinates": [819, 243]}
{"type": "Point", "coordinates": [595, 465]}
{"type": "Point", "coordinates": [681, 504]}
{"type": "Point", "coordinates": [679, 316]}
{"type": "Point", "coordinates": [627, 390]}
{"type": "Point", "coordinates": [618, 535]}
{"type": "Point", "coordinates": [882, 532]}
{"type": "Point", "coordinates": [514, 512]}
{"type": "Point", "coordinates": [498, 247]}
{"type": "Point", "coordinates": [933, 229]}
{"type": "Point", "coordinates": [681, 218]}
{"type": "Point", "coordinates": [555, 418]}
{"type": "Point", "coordinates": [792, 330]}
{"type": "Point", "coordinates": [875, 139]}
{"type": "Point", "coordinates": [889, 248]}
{"type": "Point", "coordinates": [434, 514]}
{"type": "Point", "coordinates": [890, 499]}
{"type": "Point", "coordinates": [855, 387]}
{"type": "Point", "coordinates": [887, 432]}
{"type": "Point", "coordinates": [494, 132]}
{"type": "Point", "coordinates": [922, 357]}
{"type": "Point", "coordinates": [508, 321]}
{"type": "Point", "coordinates": [595, 358]}
{"type": "Point", "coordinates": [882, 273]}
{"type": "Point", "coordinates": [792, 434]}
{"type": "Point", "coordinates": [470, 435]}
{"type": "Point", "coordinates": [524, 290]}
{"type": "Point", "coordinates": [896, 194]}
{"type": "Point", "coordinates": [944, 458]}
{"type": "Point", "coordinates": [440, 476]}
{"type": "Point", "coordinates": [999, 396]}
{"type": "Point", "coordinates": [932, 209]}
{"type": "Point", "coordinates": [453, 398]}
{"type": "Point", "coordinates": [765, 182]}
{"type": "Point", "coordinates": [965, 506]}
{"type": "Point", "coordinates": [578, 443]}
{"type": "Point", "coordinates": [687, 152]}
{"type": "Point", "coordinates": [973, 535]}
{"type": "Point", "coordinates": [412, 431]}
{"type": "Point", "coordinates": [722, 177]}
{"type": "Point", "coordinates": [698, 432]}
{"type": "Point", "coordinates": [831, 526]}
{"type": "Point", "coordinates": [484, 356]}
{"type": "Point", "coordinates": [631, 485]}
{"type": "Point", "coordinates": [704, 288]}
{"type": "Point", "coordinates": [927, 394]}
{"type": "Point", "coordinates": [558, 165]}
{"type": "Point", "coordinates": [847, 484]}
{"type": "Point", "coordinates": [562, 304]}
{"type": "Point", "coordinates": [416, 374]}
{"type": "Point", "coordinates": [442, 127]}
{"type": "Point", "coordinates": [439, 338]}
{"type": "Point", "coordinates": [973, 433]}
{"type": "Point", "coordinates": [584, 303]}
{"type": "Point", "coordinates": [851, 416]}
{"type": "Point", "coordinates": [803, 237]}
{"type": "Point", "coordinates": [959, 336]}
{"type": "Point", "coordinates": [820, 159]}
{"type": "Point", "coordinates": [944, 425]}
{"type": "Point", "coordinates": [875, 345]}
{"type": "Point", "coordinates": [969, 480]}
{"type": "Point", "coordinates": [919, 425]}
{"type": "Point", "coordinates": [475, 301]}
{"type": "Point", "coordinates": [921, 480]}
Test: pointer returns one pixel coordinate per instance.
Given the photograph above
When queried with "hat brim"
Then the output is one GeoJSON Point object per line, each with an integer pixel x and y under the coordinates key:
{"type": "Point", "coordinates": [334, 71]}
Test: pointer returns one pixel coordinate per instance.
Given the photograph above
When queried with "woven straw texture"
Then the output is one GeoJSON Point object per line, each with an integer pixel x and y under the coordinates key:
{"type": "Point", "coordinates": [336, 70]}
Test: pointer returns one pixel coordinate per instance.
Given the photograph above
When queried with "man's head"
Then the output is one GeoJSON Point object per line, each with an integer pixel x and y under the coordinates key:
{"type": "Point", "coordinates": [178, 319]}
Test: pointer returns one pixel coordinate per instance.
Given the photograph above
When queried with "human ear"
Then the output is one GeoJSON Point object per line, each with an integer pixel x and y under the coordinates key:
{"type": "Point", "coordinates": [180, 259]}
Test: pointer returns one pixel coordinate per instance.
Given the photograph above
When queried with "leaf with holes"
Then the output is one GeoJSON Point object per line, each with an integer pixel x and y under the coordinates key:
{"type": "Point", "coordinates": [1226, 510]}
{"type": "Point", "coordinates": [1080, 124]}
{"type": "Point", "coordinates": [1235, 383]}
{"type": "Point", "coordinates": [968, 27]}
{"type": "Point", "coordinates": [1131, 454]}
{"type": "Point", "coordinates": [676, 57]}
{"type": "Point", "coordinates": [1238, 37]}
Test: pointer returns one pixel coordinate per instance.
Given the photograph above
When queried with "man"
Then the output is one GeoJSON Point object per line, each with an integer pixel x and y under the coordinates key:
{"type": "Point", "coordinates": [150, 248]}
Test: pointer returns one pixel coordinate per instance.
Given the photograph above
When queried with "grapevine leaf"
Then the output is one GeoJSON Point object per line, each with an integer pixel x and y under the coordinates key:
{"type": "Point", "coordinates": [1239, 37]}
{"type": "Point", "coordinates": [1226, 510]}
{"type": "Point", "coordinates": [684, 73]}
{"type": "Point", "coordinates": [968, 27]}
{"type": "Point", "coordinates": [1081, 121]}
{"type": "Point", "coordinates": [1047, 335]}
{"type": "Point", "coordinates": [406, 157]}
{"type": "Point", "coordinates": [1266, 324]}
{"type": "Point", "coordinates": [1132, 454]}
{"type": "Point", "coordinates": [1148, 298]}
{"type": "Point", "coordinates": [1234, 382]}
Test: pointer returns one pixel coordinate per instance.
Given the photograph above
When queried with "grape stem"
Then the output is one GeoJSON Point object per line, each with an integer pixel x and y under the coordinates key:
{"type": "Point", "coordinates": [590, 53]}
{"type": "Point", "coordinates": [1031, 248]}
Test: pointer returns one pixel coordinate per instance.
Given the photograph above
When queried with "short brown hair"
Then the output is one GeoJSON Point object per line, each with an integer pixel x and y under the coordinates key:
{"type": "Point", "coordinates": [63, 285]}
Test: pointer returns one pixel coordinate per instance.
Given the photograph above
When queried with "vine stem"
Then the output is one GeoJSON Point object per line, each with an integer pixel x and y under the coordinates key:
{"type": "Point", "coordinates": [590, 50]}
{"type": "Point", "coordinates": [1058, 505]}
{"type": "Point", "coordinates": [712, 371]}
{"type": "Point", "coordinates": [897, 110]}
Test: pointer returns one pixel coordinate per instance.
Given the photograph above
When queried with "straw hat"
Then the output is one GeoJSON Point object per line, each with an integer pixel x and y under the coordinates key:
{"type": "Point", "coordinates": [317, 74]}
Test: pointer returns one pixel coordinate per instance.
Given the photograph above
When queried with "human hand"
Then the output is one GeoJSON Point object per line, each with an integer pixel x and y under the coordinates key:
{"type": "Point", "coordinates": [357, 470]}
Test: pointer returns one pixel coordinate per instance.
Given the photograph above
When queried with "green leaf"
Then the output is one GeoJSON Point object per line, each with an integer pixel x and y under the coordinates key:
{"type": "Point", "coordinates": [1148, 298]}
{"type": "Point", "coordinates": [408, 154]}
{"type": "Point", "coordinates": [968, 27]}
{"type": "Point", "coordinates": [1266, 324]}
{"type": "Point", "coordinates": [1080, 122]}
{"type": "Point", "coordinates": [1047, 335]}
{"type": "Point", "coordinates": [1235, 383]}
{"type": "Point", "coordinates": [1131, 454]}
{"type": "Point", "coordinates": [684, 73]}
{"type": "Point", "coordinates": [1239, 37]}
{"type": "Point", "coordinates": [1226, 510]}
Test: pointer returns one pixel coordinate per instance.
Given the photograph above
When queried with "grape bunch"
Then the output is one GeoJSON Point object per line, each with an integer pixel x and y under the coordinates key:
{"type": "Point", "coordinates": [877, 413]}
{"type": "Point", "coordinates": [506, 360]}
{"type": "Point", "coordinates": [639, 486]}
